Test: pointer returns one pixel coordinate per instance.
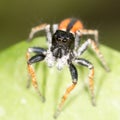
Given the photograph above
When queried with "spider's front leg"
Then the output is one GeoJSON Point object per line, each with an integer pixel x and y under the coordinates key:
{"type": "Point", "coordinates": [74, 75]}
{"type": "Point", "coordinates": [89, 65]}
{"type": "Point", "coordinates": [40, 55]}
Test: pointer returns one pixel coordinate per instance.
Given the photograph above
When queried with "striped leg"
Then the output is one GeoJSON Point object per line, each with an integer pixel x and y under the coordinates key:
{"type": "Point", "coordinates": [36, 29]}
{"type": "Point", "coordinates": [36, 50]}
{"type": "Point", "coordinates": [41, 27]}
{"type": "Point", "coordinates": [30, 61]}
{"type": "Point", "coordinates": [91, 75]}
{"type": "Point", "coordinates": [91, 32]}
{"type": "Point", "coordinates": [74, 75]}
{"type": "Point", "coordinates": [96, 50]}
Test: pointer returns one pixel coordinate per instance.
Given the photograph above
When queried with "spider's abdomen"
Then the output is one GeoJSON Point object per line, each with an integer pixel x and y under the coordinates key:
{"type": "Point", "coordinates": [71, 25]}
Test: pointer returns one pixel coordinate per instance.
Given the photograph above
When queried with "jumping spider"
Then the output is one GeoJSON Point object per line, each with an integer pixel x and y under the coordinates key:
{"type": "Point", "coordinates": [64, 49]}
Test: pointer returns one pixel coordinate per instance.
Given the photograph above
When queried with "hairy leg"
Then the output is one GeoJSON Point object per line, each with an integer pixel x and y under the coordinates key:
{"type": "Point", "coordinates": [93, 44]}
{"type": "Point", "coordinates": [30, 60]}
{"type": "Point", "coordinates": [74, 76]}
{"type": "Point", "coordinates": [91, 32]}
{"type": "Point", "coordinates": [90, 77]}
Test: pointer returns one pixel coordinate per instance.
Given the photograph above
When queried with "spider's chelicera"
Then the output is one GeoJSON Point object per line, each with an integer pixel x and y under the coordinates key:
{"type": "Point", "coordinates": [64, 48]}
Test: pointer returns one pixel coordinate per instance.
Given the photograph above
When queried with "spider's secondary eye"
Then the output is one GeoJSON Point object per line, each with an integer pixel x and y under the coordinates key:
{"type": "Point", "coordinates": [64, 40]}
{"type": "Point", "coordinates": [59, 39]}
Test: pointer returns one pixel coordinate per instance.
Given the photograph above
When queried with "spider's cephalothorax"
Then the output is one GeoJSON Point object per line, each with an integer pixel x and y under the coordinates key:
{"type": "Point", "coordinates": [62, 43]}
{"type": "Point", "coordinates": [64, 49]}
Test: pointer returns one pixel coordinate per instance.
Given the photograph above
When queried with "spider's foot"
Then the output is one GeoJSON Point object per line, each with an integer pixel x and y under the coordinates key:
{"type": "Point", "coordinates": [57, 113]}
{"type": "Point", "coordinates": [93, 101]}
{"type": "Point", "coordinates": [43, 99]}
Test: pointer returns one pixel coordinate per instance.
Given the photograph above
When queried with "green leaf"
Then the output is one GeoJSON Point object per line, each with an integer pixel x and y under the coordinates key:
{"type": "Point", "coordinates": [19, 103]}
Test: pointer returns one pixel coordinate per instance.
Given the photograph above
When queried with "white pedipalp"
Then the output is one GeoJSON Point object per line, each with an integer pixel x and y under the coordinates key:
{"type": "Point", "coordinates": [50, 59]}
{"type": "Point", "coordinates": [61, 62]}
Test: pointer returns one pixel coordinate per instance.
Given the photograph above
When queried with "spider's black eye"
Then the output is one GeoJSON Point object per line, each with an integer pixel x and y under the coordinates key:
{"type": "Point", "coordinates": [64, 40]}
{"type": "Point", "coordinates": [59, 39]}
{"type": "Point", "coordinates": [55, 36]}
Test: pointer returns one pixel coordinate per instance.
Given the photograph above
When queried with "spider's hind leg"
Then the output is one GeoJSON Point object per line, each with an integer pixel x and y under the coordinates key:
{"type": "Point", "coordinates": [95, 48]}
{"type": "Point", "coordinates": [36, 29]}
{"type": "Point", "coordinates": [77, 39]}
{"type": "Point", "coordinates": [91, 32]}
{"type": "Point", "coordinates": [41, 27]}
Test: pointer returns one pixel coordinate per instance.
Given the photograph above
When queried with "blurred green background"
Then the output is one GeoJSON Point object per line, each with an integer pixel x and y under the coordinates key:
{"type": "Point", "coordinates": [17, 17]}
